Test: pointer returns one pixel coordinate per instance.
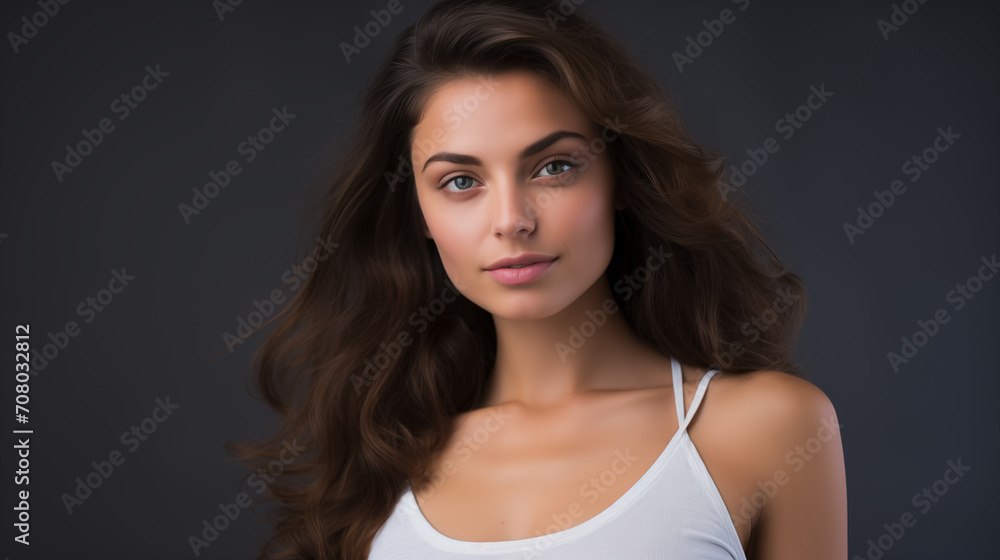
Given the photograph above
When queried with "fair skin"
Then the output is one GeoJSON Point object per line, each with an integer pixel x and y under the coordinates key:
{"type": "Point", "coordinates": [555, 419]}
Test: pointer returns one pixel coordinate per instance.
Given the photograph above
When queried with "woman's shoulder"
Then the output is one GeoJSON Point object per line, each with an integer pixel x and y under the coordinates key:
{"type": "Point", "coordinates": [771, 411]}
{"type": "Point", "coordinates": [774, 395]}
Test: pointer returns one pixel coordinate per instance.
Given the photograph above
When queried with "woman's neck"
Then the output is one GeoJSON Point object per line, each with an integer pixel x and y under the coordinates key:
{"type": "Point", "coordinates": [588, 346]}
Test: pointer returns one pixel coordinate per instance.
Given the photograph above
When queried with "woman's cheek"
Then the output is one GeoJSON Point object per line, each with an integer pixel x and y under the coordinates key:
{"type": "Point", "coordinates": [588, 215]}
{"type": "Point", "coordinates": [455, 244]}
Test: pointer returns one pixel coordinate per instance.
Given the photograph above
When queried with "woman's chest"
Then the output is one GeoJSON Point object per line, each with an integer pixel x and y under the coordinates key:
{"type": "Point", "coordinates": [506, 478]}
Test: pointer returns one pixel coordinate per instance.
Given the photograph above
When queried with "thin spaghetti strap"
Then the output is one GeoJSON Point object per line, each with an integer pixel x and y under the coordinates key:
{"type": "Point", "coordinates": [678, 390]}
{"type": "Point", "coordinates": [699, 394]}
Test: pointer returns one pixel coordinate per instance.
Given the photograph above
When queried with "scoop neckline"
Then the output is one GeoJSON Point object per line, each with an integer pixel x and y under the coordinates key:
{"type": "Point", "coordinates": [435, 537]}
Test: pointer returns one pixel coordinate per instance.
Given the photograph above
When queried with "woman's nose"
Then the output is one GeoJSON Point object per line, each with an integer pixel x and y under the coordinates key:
{"type": "Point", "coordinates": [514, 210]}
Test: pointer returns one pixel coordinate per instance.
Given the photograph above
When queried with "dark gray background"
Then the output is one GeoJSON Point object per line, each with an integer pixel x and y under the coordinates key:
{"type": "Point", "coordinates": [157, 338]}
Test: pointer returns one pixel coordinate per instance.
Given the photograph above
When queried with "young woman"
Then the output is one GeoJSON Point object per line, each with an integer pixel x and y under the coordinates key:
{"type": "Point", "coordinates": [538, 284]}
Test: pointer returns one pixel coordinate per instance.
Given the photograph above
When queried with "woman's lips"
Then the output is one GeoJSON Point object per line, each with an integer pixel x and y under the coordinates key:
{"type": "Point", "coordinates": [528, 273]}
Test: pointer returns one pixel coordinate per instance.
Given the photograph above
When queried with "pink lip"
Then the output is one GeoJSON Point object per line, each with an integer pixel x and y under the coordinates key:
{"type": "Point", "coordinates": [513, 276]}
{"type": "Point", "coordinates": [524, 258]}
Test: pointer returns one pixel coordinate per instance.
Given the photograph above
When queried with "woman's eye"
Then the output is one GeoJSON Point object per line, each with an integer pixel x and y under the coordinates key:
{"type": "Point", "coordinates": [554, 167]}
{"type": "Point", "coordinates": [463, 182]}
{"type": "Point", "coordinates": [550, 169]}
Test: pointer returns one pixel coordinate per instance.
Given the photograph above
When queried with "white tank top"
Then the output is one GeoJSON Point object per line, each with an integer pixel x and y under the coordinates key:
{"type": "Point", "coordinates": [673, 511]}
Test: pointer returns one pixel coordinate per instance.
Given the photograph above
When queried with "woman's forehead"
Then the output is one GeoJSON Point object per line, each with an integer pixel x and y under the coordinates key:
{"type": "Point", "coordinates": [512, 107]}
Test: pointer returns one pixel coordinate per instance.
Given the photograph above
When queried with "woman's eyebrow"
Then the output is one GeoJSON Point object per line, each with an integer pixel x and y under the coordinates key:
{"type": "Point", "coordinates": [531, 150]}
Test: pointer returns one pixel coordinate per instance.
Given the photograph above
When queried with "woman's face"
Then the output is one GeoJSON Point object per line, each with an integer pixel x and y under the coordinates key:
{"type": "Point", "coordinates": [506, 189]}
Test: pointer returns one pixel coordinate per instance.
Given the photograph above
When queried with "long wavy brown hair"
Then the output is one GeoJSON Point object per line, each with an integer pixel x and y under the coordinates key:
{"type": "Point", "coordinates": [370, 387]}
